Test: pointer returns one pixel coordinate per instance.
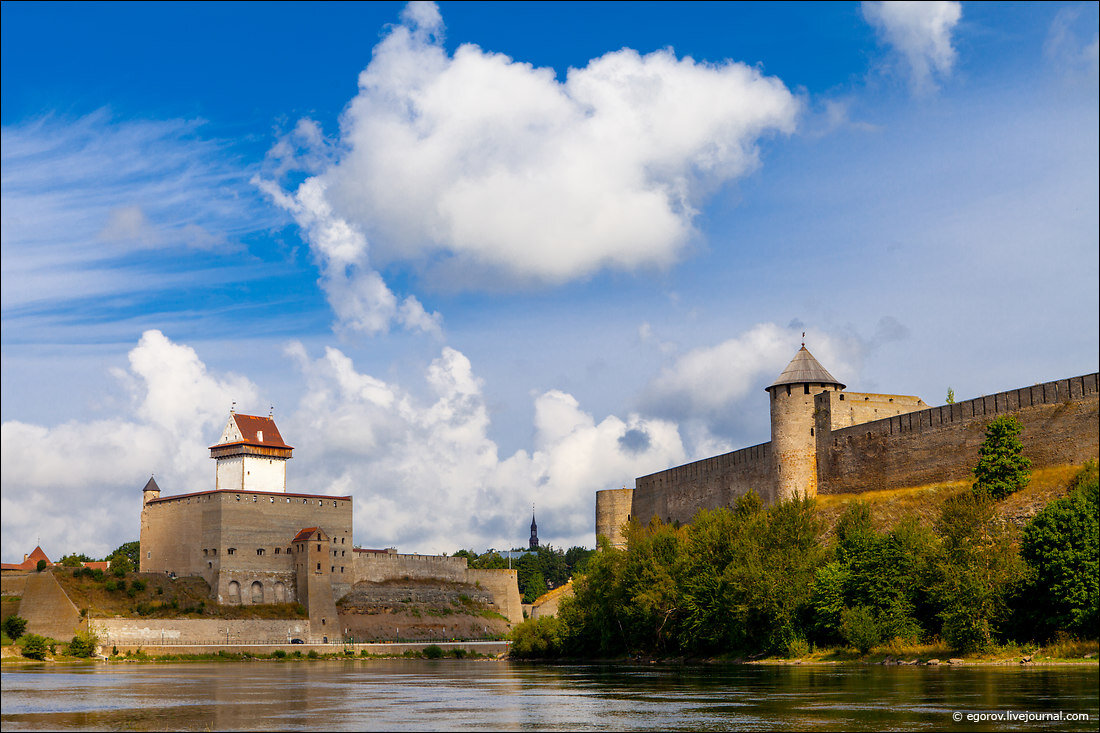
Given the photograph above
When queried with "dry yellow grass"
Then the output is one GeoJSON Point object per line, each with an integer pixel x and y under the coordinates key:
{"type": "Point", "coordinates": [890, 507]}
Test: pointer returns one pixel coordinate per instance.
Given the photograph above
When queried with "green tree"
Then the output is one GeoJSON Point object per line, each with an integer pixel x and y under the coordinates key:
{"type": "Point", "coordinates": [950, 396]}
{"type": "Point", "coordinates": [35, 646]}
{"type": "Point", "coordinates": [1002, 467]}
{"type": "Point", "coordinates": [595, 617]}
{"type": "Point", "coordinates": [130, 550]}
{"type": "Point", "coordinates": [14, 626]}
{"type": "Point", "coordinates": [538, 638]}
{"type": "Point", "coordinates": [73, 560]}
{"type": "Point", "coordinates": [1061, 545]}
{"type": "Point", "coordinates": [976, 571]}
{"type": "Point", "coordinates": [83, 644]}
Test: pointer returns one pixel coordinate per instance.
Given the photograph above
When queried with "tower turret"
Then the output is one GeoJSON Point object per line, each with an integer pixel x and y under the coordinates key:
{"type": "Point", "coordinates": [251, 455]}
{"type": "Point", "coordinates": [794, 447]}
{"type": "Point", "coordinates": [150, 492]}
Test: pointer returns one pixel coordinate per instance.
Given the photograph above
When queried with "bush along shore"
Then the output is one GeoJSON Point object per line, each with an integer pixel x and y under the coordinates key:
{"type": "Point", "coordinates": [30, 648]}
{"type": "Point", "coordinates": [756, 583]}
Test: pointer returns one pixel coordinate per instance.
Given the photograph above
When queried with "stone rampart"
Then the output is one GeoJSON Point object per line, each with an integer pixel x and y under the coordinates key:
{"type": "Point", "coordinates": [676, 494]}
{"type": "Point", "coordinates": [378, 566]}
{"type": "Point", "coordinates": [504, 587]}
{"type": "Point", "coordinates": [937, 444]}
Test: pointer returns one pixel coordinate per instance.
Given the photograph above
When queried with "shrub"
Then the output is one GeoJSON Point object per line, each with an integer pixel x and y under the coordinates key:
{"type": "Point", "coordinates": [860, 628]}
{"type": "Point", "coordinates": [40, 566]}
{"type": "Point", "coordinates": [138, 585]}
{"type": "Point", "coordinates": [34, 646]}
{"type": "Point", "coordinates": [278, 654]}
{"type": "Point", "coordinates": [798, 648]}
{"type": "Point", "coordinates": [14, 626]}
{"type": "Point", "coordinates": [538, 638]}
{"type": "Point", "coordinates": [313, 654]}
{"type": "Point", "coordinates": [433, 651]}
{"type": "Point", "coordinates": [83, 644]}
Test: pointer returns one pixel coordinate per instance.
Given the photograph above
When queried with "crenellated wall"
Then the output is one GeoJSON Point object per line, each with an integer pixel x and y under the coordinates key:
{"type": "Point", "coordinates": [865, 442]}
{"type": "Point", "coordinates": [1060, 427]}
{"type": "Point", "coordinates": [676, 494]}
{"type": "Point", "coordinates": [379, 566]}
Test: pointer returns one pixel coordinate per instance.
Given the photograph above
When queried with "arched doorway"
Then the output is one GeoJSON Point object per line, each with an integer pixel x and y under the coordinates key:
{"type": "Point", "coordinates": [280, 593]}
{"type": "Point", "coordinates": [233, 590]}
{"type": "Point", "coordinates": [257, 592]}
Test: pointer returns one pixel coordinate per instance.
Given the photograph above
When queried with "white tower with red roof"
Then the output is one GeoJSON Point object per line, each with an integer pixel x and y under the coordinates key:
{"type": "Point", "coordinates": [251, 455]}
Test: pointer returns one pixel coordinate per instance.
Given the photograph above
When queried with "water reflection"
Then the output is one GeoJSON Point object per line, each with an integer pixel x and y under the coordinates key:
{"type": "Point", "coordinates": [479, 695]}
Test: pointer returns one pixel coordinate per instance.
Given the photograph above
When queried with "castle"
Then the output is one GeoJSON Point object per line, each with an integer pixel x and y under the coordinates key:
{"type": "Point", "coordinates": [826, 440]}
{"type": "Point", "coordinates": [255, 542]}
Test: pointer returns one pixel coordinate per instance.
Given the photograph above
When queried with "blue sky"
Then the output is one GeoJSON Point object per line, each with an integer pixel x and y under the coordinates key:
{"type": "Point", "coordinates": [480, 255]}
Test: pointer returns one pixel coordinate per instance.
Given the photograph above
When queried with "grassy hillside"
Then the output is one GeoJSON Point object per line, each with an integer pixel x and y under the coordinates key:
{"type": "Point", "coordinates": [154, 595]}
{"type": "Point", "coordinates": [924, 502]}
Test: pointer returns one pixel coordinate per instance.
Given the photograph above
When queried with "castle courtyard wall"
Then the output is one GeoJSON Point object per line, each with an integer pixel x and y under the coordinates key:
{"type": "Point", "coordinates": [676, 494]}
{"type": "Point", "coordinates": [938, 444]}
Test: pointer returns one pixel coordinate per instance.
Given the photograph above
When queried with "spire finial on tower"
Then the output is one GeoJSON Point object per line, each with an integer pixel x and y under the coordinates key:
{"type": "Point", "coordinates": [803, 339]}
{"type": "Point", "coordinates": [233, 407]}
{"type": "Point", "coordinates": [271, 411]}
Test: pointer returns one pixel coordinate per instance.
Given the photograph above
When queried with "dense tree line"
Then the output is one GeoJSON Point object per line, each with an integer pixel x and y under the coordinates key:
{"type": "Point", "coordinates": [761, 580]}
{"type": "Point", "coordinates": [537, 571]}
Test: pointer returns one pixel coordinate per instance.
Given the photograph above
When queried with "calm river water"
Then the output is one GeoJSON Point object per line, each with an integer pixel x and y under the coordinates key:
{"type": "Point", "coordinates": [481, 695]}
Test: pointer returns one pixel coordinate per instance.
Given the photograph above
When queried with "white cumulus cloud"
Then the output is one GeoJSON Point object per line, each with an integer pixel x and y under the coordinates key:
{"type": "Point", "coordinates": [920, 32]}
{"type": "Point", "coordinates": [77, 485]}
{"type": "Point", "coordinates": [484, 170]}
{"type": "Point", "coordinates": [719, 389]}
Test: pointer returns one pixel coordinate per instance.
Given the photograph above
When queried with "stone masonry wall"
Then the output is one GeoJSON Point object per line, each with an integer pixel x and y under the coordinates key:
{"type": "Point", "coordinates": [377, 567]}
{"type": "Point", "coordinates": [1060, 427]}
{"type": "Point", "coordinates": [504, 587]}
{"type": "Point", "coordinates": [613, 511]}
{"type": "Point", "coordinates": [677, 493]}
{"type": "Point", "coordinates": [126, 631]}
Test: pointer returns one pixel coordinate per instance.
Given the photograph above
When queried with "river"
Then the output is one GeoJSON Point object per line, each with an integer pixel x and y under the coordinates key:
{"type": "Point", "coordinates": [493, 695]}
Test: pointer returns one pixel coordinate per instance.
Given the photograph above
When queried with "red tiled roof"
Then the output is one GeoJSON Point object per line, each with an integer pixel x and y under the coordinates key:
{"type": "Point", "coordinates": [29, 563]}
{"type": "Point", "coordinates": [257, 430]}
{"type": "Point", "coordinates": [103, 565]}
{"type": "Point", "coordinates": [303, 534]}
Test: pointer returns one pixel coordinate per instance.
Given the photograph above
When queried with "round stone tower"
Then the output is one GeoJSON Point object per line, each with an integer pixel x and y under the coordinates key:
{"type": "Point", "coordinates": [793, 446]}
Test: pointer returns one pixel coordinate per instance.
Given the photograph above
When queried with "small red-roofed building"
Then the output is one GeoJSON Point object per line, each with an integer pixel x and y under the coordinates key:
{"type": "Point", "coordinates": [30, 562]}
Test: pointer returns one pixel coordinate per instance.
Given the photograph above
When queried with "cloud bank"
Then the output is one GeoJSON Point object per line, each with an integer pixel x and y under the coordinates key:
{"type": "Point", "coordinates": [485, 171]}
{"type": "Point", "coordinates": [423, 471]}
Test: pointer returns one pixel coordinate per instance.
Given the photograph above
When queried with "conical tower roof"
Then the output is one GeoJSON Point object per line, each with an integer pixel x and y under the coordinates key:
{"type": "Point", "coordinates": [803, 369]}
{"type": "Point", "coordinates": [151, 485]}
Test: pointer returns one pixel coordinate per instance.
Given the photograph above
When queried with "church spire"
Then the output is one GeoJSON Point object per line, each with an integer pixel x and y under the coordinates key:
{"type": "Point", "coordinates": [534, 541]}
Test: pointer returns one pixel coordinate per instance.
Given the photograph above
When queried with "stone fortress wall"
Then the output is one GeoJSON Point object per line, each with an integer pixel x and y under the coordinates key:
{"type": "Point", "coordinates": [938, 444]}
{"type": "Point", "coordinates": [835, 442]}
